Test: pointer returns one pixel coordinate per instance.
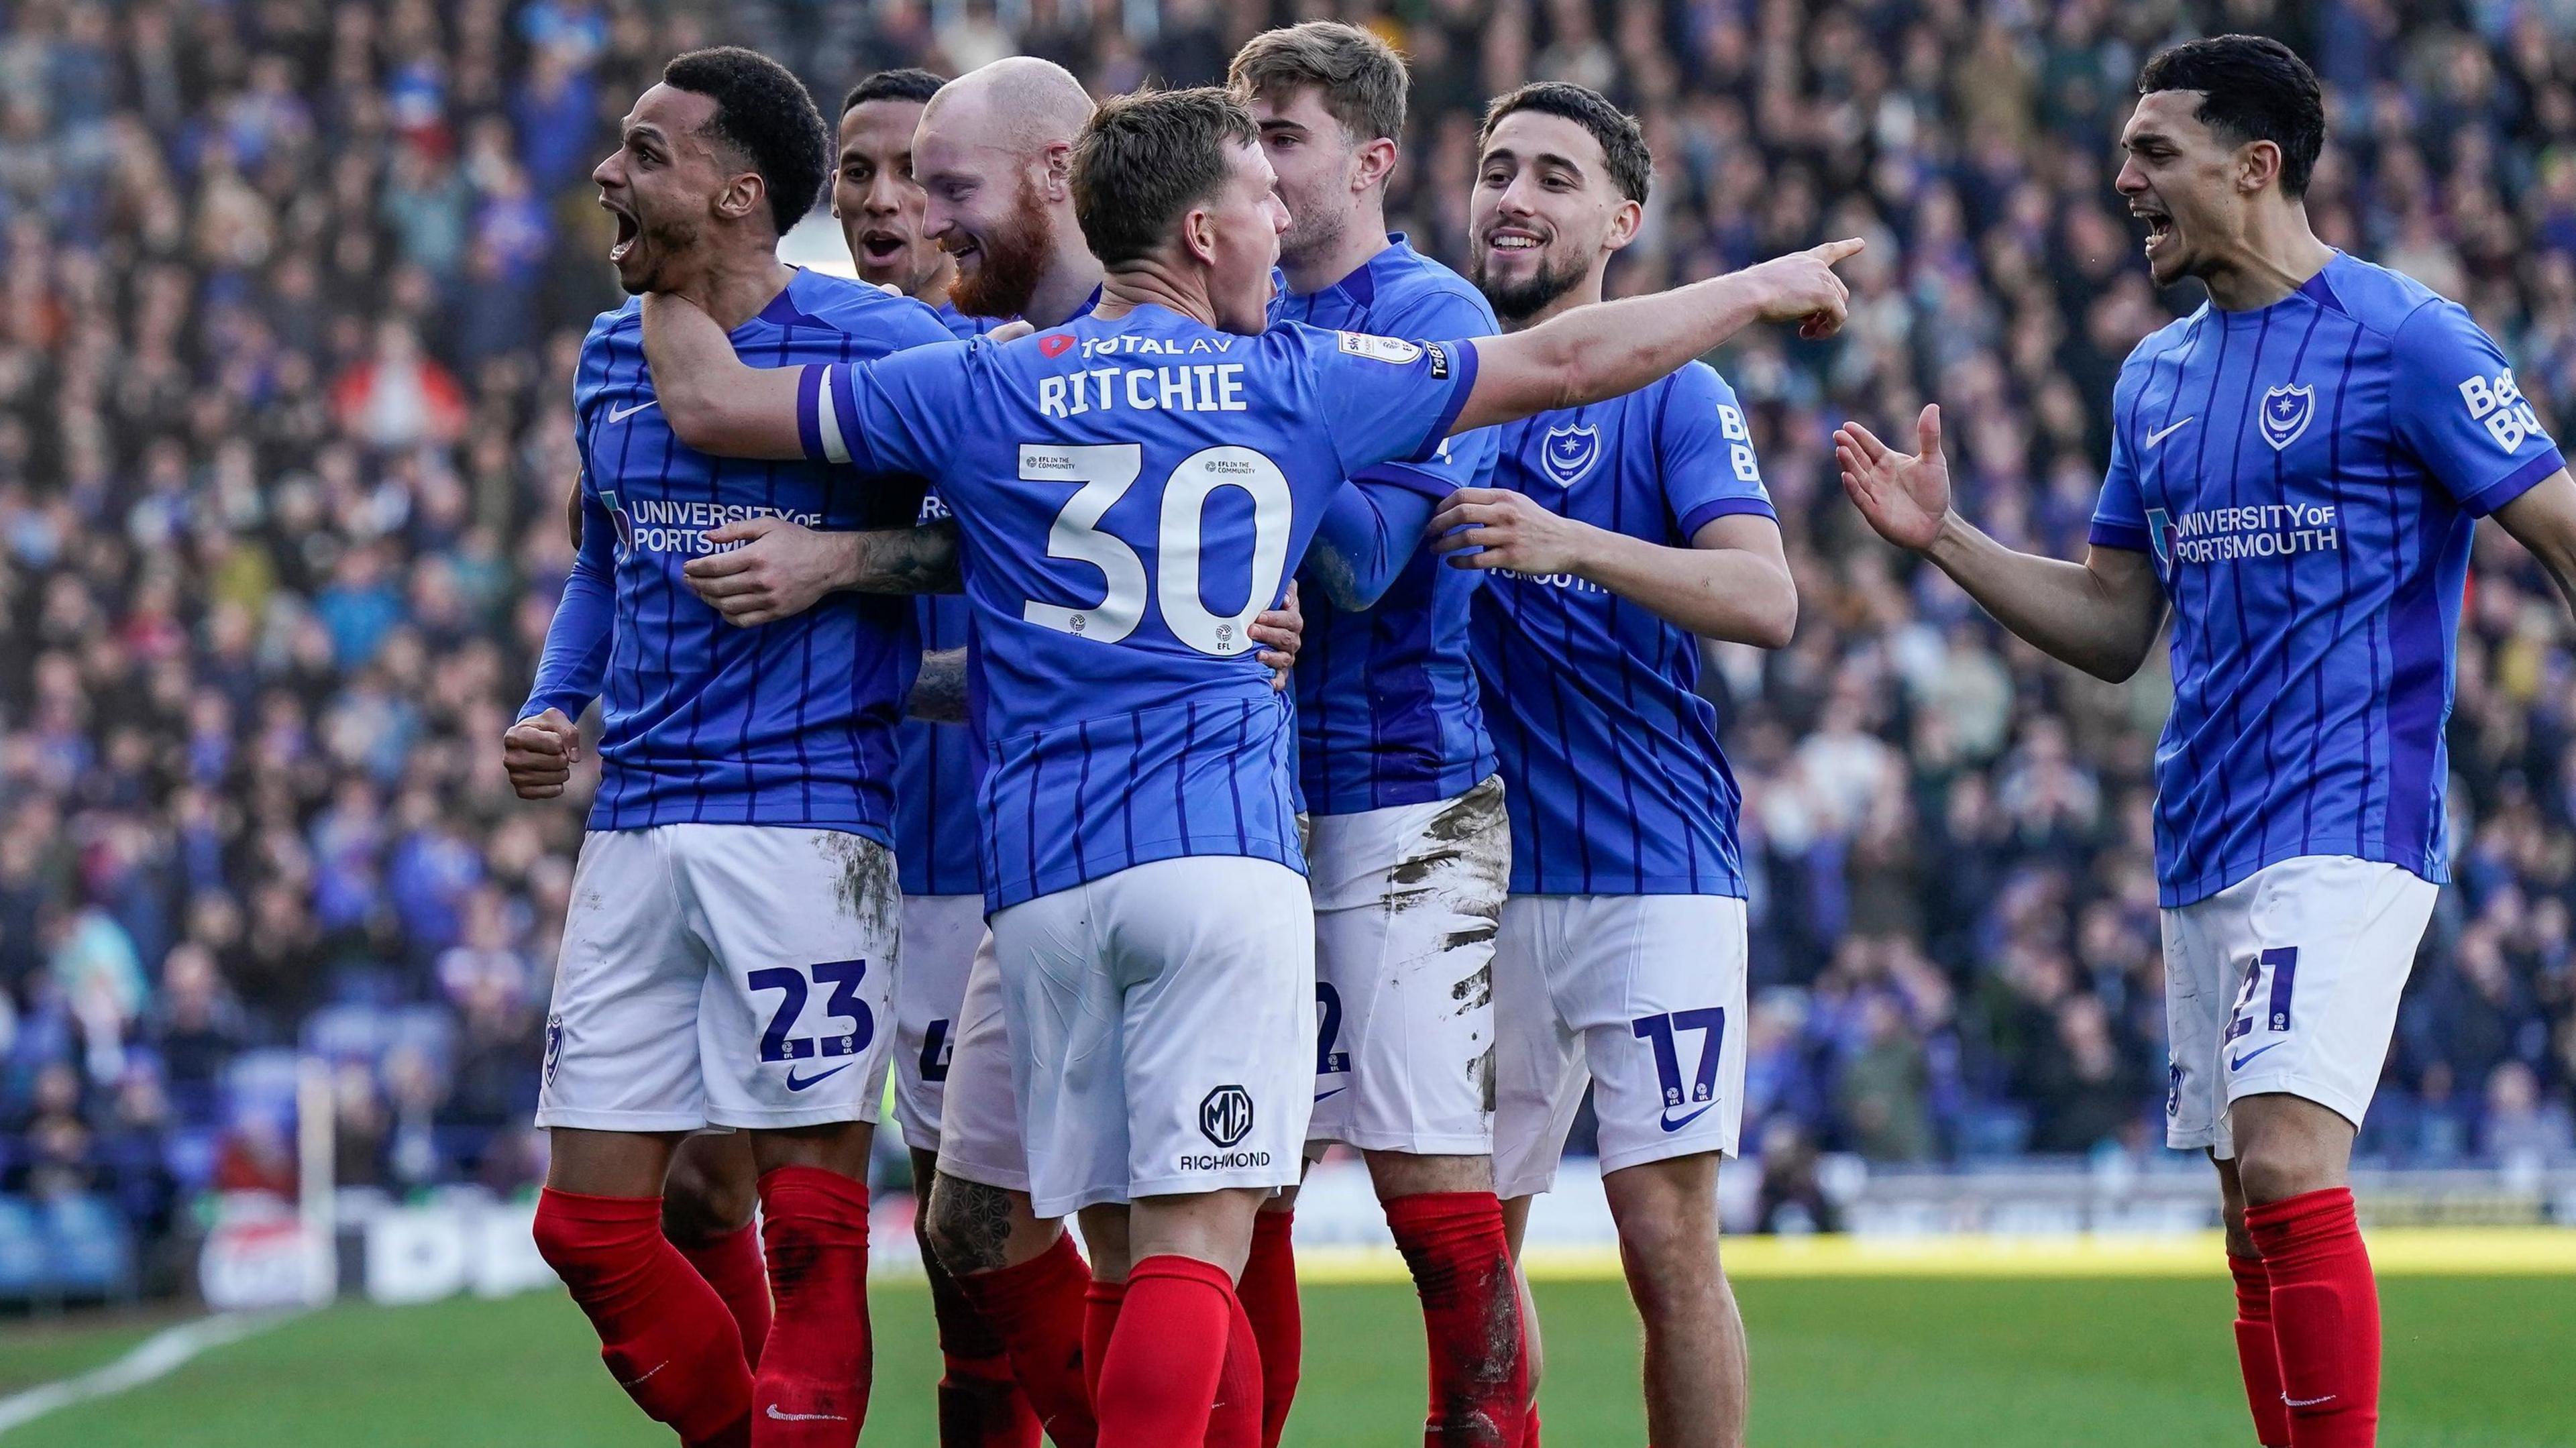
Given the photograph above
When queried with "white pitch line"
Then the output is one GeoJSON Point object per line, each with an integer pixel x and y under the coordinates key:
{"type": "Point", "coordinates": [156, 1356]}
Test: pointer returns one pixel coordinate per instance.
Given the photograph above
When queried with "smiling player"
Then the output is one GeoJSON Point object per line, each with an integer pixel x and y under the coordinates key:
{"type": "Point", "coordinates": [1616, 535]}
{"type": "Point", "coordinates": [2296, 472]}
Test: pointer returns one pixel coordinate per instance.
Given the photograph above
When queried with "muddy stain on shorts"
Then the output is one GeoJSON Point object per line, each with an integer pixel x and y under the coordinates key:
{"type": "Point", "coordinates": [866, 891]}
{"type": "Point", "coordinates": [1470, 836]}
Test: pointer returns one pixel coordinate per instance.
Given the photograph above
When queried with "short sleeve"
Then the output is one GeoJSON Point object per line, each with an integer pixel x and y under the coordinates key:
{"type": "Point", "coordinates": [2120, 514]}
{"type": "Point", "coordinates": [1706, 452]}
{"type": "Point", "coordinates": [1384, 399]}
{"type": "Point", "coordinates": [2456, 408]}
{"type": "Point", "coordinates": [897, 414]}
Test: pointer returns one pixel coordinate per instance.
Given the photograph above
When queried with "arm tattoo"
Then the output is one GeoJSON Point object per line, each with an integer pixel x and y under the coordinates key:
{"type": "Point", "coordinates": [939, 690]}
{"type": "Point", "coordinates": [908, 560]}
{"type": "Point", "coordinates": [970, 1225]}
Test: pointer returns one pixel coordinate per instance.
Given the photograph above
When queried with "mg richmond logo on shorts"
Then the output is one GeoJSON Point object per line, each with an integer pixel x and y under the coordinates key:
{"type": "Point", "coordinates": [1225, 1115]}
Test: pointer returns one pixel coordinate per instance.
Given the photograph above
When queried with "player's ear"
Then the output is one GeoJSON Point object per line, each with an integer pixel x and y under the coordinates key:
{"type": "Point", "coordinates": [1198, 235]}
{"type": "Point", "coordinates": [743, 194]}
{"type": "Point", "coordinates": [1058, 180]}
{"type": "Point", "coordinates": [1376, 163]}
{"type": "Point", "coordinates": [2258, 164]}
{"type": "Point", "coordinates": [1626, 220]}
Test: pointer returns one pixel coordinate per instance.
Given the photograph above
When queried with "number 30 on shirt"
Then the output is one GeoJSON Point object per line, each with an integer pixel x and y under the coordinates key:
{"type": "Point", "coordinates": [1106, 471]}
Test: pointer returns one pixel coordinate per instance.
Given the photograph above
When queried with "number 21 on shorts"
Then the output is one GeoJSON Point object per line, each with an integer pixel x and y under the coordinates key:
{"type": "Point", "coordinates": [2265, 997]}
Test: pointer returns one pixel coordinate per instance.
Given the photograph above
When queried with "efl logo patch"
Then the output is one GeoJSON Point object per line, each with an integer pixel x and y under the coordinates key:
{"type": "Point", "coordinates": [2286, 411]}
{"type": "Point", "coordinates": [1379, 349]}
{"type": "Point", "coordinates": [1225, 1115]}
{"type": "Point", "coordinates": [1567, 453]}
{"type": "Point", "coordinates": [1055, 344]}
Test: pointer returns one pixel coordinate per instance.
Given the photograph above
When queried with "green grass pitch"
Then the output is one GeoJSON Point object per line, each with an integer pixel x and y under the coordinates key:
{"type": "Point", "coordinates": [2472, 1363]}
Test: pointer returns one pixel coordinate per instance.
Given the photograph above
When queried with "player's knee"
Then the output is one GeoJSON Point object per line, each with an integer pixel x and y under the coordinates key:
{"type": "Point", "coordinates": [970, 1225]}
{"type": "Point", "coordinates": [582, 1251]}
{"type": "Point", "coordinates": [2273, 1172]}
{"type": "Point", "coordinates": [699, 1205]}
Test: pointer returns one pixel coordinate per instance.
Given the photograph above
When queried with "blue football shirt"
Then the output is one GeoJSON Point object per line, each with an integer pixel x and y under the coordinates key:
{"type": "Point", "coordinates": [1132, 491]}
{"type": "Point", "coordinates": [790, 723]}
{"type": "Point", "coordinates": [937, 765]}
{"type": "Point", "coordinates": [1386, 699]}
{"type": "Point", "coordinates": [2308, 475]}
{"type": "Point", "coordinates": [1611, 769]}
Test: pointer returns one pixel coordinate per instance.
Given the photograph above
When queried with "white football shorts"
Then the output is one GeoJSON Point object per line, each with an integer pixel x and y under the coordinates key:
{"type": "Point", "coordinates": [1643, 996]}
{"type": "Point", "coordinates": [725, 975]}
{"type": "Point", "coordinates": [2287, 982]}
{"type": "Point", "coordinates": [979, 1120]}
{"type": "Point", "coordinates": [940, 936]}
{"type": "Point", "coordinates": [1406, 903]}
{"type": "Point", "coordinates": [1165, 1020]}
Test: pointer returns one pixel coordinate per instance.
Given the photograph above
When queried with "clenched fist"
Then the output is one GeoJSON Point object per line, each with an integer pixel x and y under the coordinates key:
{"type": "Point", "coordinates": [539, 752]}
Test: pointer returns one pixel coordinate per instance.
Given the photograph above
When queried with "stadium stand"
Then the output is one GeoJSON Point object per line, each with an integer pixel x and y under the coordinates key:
{"type": "Point", "coordinates": [289, 295]}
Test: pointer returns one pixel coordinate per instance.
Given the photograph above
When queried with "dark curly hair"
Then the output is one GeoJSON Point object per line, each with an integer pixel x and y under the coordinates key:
{"type": "Point", "coordinates": [2252, 88]}
{"type": "Point", "coordinates": [765, 115]}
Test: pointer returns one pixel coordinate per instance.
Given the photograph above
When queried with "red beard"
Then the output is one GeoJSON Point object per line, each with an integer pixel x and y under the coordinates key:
{"type": "Point", "coordinates": [1013, 257]}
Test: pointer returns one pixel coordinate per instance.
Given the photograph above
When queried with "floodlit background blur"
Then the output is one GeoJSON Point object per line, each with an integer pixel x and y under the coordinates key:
{"type": "Point", "coordinates": [290, 292]}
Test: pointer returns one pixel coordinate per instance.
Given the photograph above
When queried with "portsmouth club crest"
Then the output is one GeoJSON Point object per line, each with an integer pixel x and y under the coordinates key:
{"type": "Point", "coordinates": [2286, 411]}
{"type": "Point", "coordinates": [1568, 453]}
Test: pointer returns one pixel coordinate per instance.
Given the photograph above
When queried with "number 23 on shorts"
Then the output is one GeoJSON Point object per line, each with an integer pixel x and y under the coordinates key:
{"type": "Point", "coordinates": [843, 976]}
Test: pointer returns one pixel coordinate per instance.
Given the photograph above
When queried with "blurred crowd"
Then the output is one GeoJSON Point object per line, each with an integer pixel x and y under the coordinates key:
{"type": "Point", "coordinates": [290, 292]}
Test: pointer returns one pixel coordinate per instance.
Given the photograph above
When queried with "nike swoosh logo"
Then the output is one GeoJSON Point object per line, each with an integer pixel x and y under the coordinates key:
{"type": "Point", "coordinates": [620, 414]}
{"type": "Point", "coordinates": [2237, 1063]}
{"type": "Point", "coordinates": [1336, 1091]}
{"type": "Point", "coordinates": [795, 1085]}
{"type": "Point", "coordinates": [1672, 1125]}
{"type": "Point", "coordinates": [2160, 434]}
{"type": "Point", "coordinates": [2306, 1402]}
{"type": "Point", "coordinates": [806, 1417]}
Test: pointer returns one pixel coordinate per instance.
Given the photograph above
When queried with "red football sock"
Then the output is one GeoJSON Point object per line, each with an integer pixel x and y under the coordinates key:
{"type": "Point", "coordinates": [1269, 1293]}
{"type": "Point", "coordinates": [812, 1387]}
{"type": "Point", "coordinates": [1100, 1304]}
{"type": "Point", "coordinates": [1529, 1427]}
{"type": "Point", "coordinates": [2325, 1316]}
{"type": "Point", "coordinates": [1235, 1422]}
{"type": "Point", "coordinates": [731, 1264]}
{"type": "Point", "coordinates": [980, 1402]}
{"type": "Point", "coordinates": [663, 1332]}
{"type": "Point", "coordinates": [1158, 1386]}
{"type": "Point", "coordinates": [1453, 1244]}
{"type": "Point", "coordinates": [1037, 1309]}
{"type": "Point", "coordinates": [2257, 1356]}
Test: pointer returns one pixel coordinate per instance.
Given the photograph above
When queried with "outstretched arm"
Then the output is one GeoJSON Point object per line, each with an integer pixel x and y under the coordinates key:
{"type": "Point", "coordinates": [2101, 615]}
{"type": "Point", "coordinates": [1613, 348]}
{"type": "Point", "coordinates": [712, 400]}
